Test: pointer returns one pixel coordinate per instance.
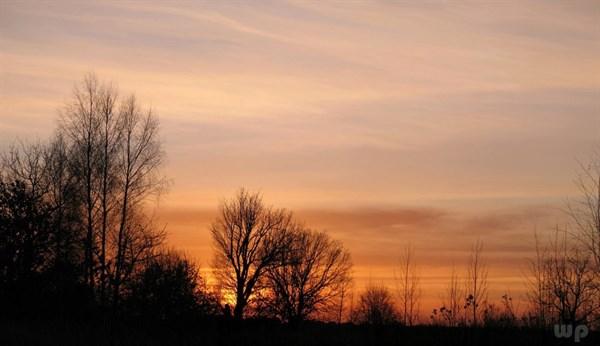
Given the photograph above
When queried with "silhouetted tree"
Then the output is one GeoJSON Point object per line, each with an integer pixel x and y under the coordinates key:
{"type": "Point", "coordinates": [408, 287]}
{"type": "Point", "coordinates": [43, 211]}
{"type": "Point", "coordinates": [309, 277]}
{"type": "Point", "coordinates": [169, 287]}
{"type": "Point", "coordinates": [376, 307]}
{"type": "Point", "coordinates": [585, 210]}
{"type": "Point", "coordinates": [249, 238]}
{"type": "Point", "coordinates": [476, 284]}
{"type": "Point", "coordinates": [110, 141]}
{"type": "Point", "coordinates": [538, 294]}
{"type": "Point", "coordinates": [570, 281]}
{"type": "Point", "coordinates": [494, 316]}
{"type": "Point", "coordinates": [80, 125]}
{"type": "Point", "coordinates": [452, 301]}
{"type": "Point", "coordinates": [115, 155]}
{"type": "Point", "coordinates": [65, 203]}
{"type": "Point", "coordinates": [140, 158]}
{"type": "Point", "coordinates": [346, 295]}
{"type": "Point", "coordinates": [72, 209]}
{"type": "Point", "coordinates": [26, 215]}
{"type": "Point", "coordinates": [585, 215]}
{"type": "Point", "coordinates": [24, 232]}
{"type": "Point", "coordinates": [562, 283]}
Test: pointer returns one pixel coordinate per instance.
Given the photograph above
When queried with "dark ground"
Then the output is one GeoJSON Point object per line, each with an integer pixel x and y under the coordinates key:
{"type": "Point", "coordinates": [255, 333]}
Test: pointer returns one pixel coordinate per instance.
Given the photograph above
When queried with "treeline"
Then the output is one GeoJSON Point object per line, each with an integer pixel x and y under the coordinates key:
{"type": "Point", "coordinates": [77, 240]}
{"type": "Point", "coordinates": [562, 278]}
{"type": "Point", "coordinates": [75, 237]}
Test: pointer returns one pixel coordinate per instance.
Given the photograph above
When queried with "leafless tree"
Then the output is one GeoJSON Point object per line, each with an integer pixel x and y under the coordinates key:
{"type": "Point", "coordinates": [110, 133]}
{"type": "Point", "coordinates": [249, 238]}
{"type": "Point", "coordinates": [310, 277]}
{"type": "Point", "coordinates": [452, 300]}
{"type": "Point", "coordinates": [585, 211]}
{"type": "Point", "coordinates": [63, 197]}
{"type": "Point", "coordinates": [376, 307]}
{"type": "Point", "coordinates": [570, 281]}
{"type": "Point", "coordinates": [476, 284]}
{"type": "Point", "coordinates": [585, 215]}
{"type": "Point", "coordinates": [503, 316]}
{"type": "Point", "coordinates": [538, 294]}
{"type": "Point", "coordinates": [80, 124]}
{"type": "Point", "coordinates": [84, 195]}
{"type": "Point", "coordinates": [140, 158]}
{"type": "Point", "coordinates": [41, 172]}
{"type": "Point", "coordinates": [24, 213]}
{"type": "Point", "coordinates": [115, 154]}
{"type": "Point", "coordinates": [562, 286]}
{"type": "Point", "coordinates": [408, 287]}
{"type": "Point", "coordinates": [26, 163]}
{"type": "Point", "coordinates": [346, 295]}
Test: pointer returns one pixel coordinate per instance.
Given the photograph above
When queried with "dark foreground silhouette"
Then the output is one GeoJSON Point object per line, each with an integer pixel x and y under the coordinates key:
{"type": "Point", "coordinates": [262, 332]}
{"type": "Point", "coordinates": [82, 262]}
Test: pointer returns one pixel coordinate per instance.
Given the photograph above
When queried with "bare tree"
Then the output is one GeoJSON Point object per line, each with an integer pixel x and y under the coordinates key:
{"type": "Point", "coordinates": [84, 195]}
{"type": "Point", "coordinates": [27, 163]}
{"type": "Point", "coordinates": [346, 295]}
{"type": "Point", "coordinates": [25, 231]}
{"type": "Point", "coordinates": [537, 280]}
{"type": "Point", "coordinates": [110, 133]}
{"type": "Point", "coordinates": [585, 215]}
{"type": "Point", "coordinates": [249, 239]}
{"type": "Point", "coordinates": [80, 124]}
{"type": "Point", "coordinates": [140, 159]}
{"type": "Point", "coordinates": [476, 284]}
{"type": "Point", "coordinates": [115, 154]}
{"type": "Point", "coordinates": [376, 307]}
{"type": "Point", "coordinates": [452, 300]}
{"type": "Point", "coordinates": [408, 287]}
{"type": "Point", "coordinates": [310, 277]}
{"type": "Point", "coordinates": [585, 211]}
{"type": "Point", "coordinates": [63, 197]}
{"type": "Point", "coordinates": [41, 175]}
{"type": "Point", "coordinates": [572, 291]}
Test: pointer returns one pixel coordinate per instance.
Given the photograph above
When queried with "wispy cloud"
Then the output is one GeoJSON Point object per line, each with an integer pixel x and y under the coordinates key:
{"type": "Point", "coordinates": [475, 111]}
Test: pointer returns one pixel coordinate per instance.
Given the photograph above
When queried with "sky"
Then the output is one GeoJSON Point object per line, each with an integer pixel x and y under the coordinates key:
{"type": "Point", "coordinates": [383, 123]}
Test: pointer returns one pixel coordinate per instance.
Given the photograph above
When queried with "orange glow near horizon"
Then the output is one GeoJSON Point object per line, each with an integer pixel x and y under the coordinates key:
{"type": "Point", "coordinates": [369, 235]}
{"type": "Point", "coordinates": [382, 123]}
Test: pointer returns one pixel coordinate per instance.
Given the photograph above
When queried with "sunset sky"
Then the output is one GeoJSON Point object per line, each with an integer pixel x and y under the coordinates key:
{"type": "Point", "coordinates": [384, 123]}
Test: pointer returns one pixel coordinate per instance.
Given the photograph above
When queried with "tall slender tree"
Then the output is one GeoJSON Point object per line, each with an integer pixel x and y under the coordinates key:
{"type": "Point", "coordinates": [477, 282]}
{"type": "Point", "coordinates": [452, 300]}
{"type": "Point", "coordinates": [80, 124]}
{"type": "Point", "coordinates": [111, 133]}
{"type": "Point", "coordinates": [140, 158]}
{"type": "Point", "coordinates": [115, 154]}
{"type": "Point", "coordinates": [408, 287]}
{"type": "Point", "coordinates": [65, 201]}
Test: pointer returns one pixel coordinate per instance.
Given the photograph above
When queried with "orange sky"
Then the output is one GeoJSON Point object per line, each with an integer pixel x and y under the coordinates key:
{"type": "Point", "coordinates": [383, 123]}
